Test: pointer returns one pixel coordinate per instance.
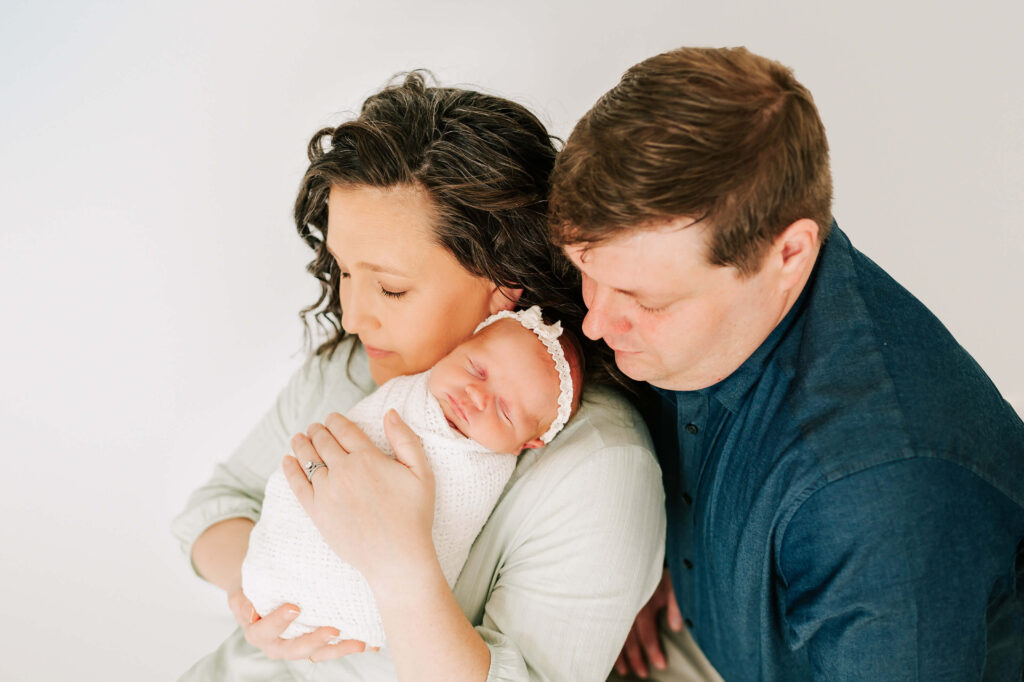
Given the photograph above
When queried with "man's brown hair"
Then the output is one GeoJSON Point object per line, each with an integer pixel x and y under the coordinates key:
{"type": "Point", "coordinates": [723, 136]}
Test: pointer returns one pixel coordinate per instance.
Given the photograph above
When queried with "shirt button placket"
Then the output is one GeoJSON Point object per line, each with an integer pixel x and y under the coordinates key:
{"type": "Point", "coordinates": [691, 418]}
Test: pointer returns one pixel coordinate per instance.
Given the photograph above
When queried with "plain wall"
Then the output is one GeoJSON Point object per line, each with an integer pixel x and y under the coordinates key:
{"type": "Point", "coordinates": [150, 276]}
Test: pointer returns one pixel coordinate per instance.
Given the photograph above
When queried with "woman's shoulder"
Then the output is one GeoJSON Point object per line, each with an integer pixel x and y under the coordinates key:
{"type": "Point", "coordinates": [606, 437]}
{"type": "Point", "coordinates": [332, 382]}
{"type": "Point", "coordinates": [606, 419]}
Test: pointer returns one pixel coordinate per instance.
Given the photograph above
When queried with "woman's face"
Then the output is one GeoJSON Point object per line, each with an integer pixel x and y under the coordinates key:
{"type": "Point", "coordinates": [402, 293]}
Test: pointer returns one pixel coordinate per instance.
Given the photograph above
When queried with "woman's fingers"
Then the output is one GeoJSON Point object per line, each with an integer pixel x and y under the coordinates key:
{"type": "Point", "coordinates": [265, 632]}
{"type": "Point", "coordinates": [325, 445]}
{"type": "Point", "coordinates": [241, 608]}
{"type": "Point", "coordinates": [338, 649]}
{"type": "Point", "coordinates": [304, 646]}
{"type": "Point", "coordinates": [320, 645]}
{"type": "Point", "coordinates": [350, 438]}
{"type": "Point", "coordinates": [278, 620]}
{"type": "Point", "coordinates": [297, 481]}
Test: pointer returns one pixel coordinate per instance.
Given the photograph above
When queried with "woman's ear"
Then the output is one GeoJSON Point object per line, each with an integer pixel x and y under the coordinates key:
{"type": "Point", "coordinates": [504, 298]}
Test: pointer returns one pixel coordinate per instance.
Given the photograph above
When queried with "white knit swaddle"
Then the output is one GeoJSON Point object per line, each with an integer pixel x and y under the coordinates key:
{"type": "Point", "coordinates": [288, 560]}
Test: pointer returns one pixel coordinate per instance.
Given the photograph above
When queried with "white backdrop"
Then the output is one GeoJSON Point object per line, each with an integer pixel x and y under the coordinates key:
{"type": "Point", "coordinates": [150, 276]}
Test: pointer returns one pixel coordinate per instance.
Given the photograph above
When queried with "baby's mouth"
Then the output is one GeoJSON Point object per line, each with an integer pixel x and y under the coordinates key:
{"type": "Point", "coordinates": [457, 409]}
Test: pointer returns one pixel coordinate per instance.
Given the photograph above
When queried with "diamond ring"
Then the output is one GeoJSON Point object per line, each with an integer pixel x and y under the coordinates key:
{"type": "Point", "coordinates": [311, 467]}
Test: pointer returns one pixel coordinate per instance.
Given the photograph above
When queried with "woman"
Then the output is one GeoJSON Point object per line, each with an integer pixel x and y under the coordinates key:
{"type": "Point", "coordinates": [427, 214]}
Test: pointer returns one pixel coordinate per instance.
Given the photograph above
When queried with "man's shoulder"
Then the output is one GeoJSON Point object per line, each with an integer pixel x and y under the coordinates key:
{"type": "Point", "coordinates": [874, 376]}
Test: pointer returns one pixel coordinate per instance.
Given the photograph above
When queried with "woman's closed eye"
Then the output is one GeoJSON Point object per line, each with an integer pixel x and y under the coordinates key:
{"type": "Point", "coordinates": [391, 294]}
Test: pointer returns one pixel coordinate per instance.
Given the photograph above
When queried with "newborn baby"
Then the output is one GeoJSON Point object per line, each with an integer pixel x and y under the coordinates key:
{"type": "Point", "coordinates": [513, 385]}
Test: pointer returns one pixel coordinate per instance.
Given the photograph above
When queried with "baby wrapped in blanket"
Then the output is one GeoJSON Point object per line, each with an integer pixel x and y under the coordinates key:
{"type": "Point", "coordinates": [512, 385]}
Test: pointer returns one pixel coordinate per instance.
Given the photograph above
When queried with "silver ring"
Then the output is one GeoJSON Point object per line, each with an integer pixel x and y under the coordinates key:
{"type": "Point", "coordinates": [311, 468]}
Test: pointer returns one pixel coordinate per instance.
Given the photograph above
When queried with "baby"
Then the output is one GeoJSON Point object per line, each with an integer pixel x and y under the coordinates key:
{"type": "Point", "coordinates": [512, 386]}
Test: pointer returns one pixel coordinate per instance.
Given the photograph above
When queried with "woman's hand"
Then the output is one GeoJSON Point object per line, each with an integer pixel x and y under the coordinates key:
{"type": "Point", "coordinates": [265, 633]}
{"type": "Point", "coordinates": [374, 512]}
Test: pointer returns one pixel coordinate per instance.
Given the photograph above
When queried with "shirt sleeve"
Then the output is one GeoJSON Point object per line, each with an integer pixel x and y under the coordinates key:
{"type": "Point", "coordinates": [589, 558]}
{"type": "Point", "coordinates": [235, 490]}
{"type": "Point", "coordinates": [888, 573]}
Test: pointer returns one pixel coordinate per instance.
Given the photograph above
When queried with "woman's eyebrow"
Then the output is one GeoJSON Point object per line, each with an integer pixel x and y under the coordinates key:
{"type": "Point", "coordinates": [369, 266]}
{"type": "Point", "coordinates": [380, 268]}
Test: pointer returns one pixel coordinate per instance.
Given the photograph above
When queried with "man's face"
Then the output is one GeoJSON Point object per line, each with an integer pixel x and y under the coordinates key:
{"type": "Point", "coordinates": [674, 320]}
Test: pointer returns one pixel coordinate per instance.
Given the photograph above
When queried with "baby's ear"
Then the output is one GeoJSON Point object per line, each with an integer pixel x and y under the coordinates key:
{"type": "Point", "coordinates": [533, 444]}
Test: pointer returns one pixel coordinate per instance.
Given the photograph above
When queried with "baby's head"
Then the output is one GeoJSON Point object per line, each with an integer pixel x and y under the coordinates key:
{"type": "Point", "coordinates": [502, 388]}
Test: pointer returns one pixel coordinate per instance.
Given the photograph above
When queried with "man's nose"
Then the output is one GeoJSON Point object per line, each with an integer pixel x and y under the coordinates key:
{"type": "Point", "coordinates": [603, 318]}
{"type": "Point", "coordinates": [477, 396]}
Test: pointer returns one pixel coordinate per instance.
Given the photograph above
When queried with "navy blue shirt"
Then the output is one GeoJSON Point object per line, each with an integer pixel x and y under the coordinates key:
{"type": "Point", "coordinates": [849, 503]}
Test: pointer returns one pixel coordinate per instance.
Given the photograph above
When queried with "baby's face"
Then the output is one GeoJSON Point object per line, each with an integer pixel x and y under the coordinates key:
{"type": "Point", "coordinates": [499, 388]}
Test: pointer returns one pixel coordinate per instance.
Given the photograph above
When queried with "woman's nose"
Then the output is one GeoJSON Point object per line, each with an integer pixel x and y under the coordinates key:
{"type": "Point", "coordinates": [477, 396]}
{"type": "Point", "coordinates": [356, 316]}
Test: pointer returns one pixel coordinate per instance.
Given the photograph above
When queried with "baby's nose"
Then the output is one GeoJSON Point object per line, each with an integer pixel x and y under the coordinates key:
{"type": "Point", "coordinates": [477, 396]}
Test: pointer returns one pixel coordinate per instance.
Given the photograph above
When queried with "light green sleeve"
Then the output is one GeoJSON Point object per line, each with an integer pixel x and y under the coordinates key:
{"type": "Point", "coordinates": [235, 490]}
{"type": "Point", "coordinates": [585, 551]}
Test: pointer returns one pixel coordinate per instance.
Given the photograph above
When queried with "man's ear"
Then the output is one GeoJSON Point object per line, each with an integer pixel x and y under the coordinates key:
{"type": "Point", "coordinates": [533, 444]}
{"type": "Point", "coordinates": [795, 250]}
{"type": "Point", "coordinates": [504, 298]}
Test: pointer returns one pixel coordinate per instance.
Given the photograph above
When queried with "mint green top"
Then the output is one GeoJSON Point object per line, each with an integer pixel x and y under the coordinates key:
{"type": "Point", "coordinates": [571, 552]}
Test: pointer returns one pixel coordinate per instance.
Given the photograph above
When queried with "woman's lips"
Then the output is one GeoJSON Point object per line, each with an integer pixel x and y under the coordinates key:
{"type": "Point", "coordinates": [376, 352]}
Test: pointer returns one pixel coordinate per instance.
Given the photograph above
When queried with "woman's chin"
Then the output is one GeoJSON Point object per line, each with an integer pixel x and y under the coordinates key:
{"type": "Point", "coordinates": [383, 371]}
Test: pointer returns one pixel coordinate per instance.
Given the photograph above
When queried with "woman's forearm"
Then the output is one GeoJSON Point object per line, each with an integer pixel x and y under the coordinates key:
{"type": "Point", "coordinates": [218, 553]}
{"type": "Point", "coordinates": [428, 635]}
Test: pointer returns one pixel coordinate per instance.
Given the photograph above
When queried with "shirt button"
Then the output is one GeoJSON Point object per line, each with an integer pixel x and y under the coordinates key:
{"type": "Point", "coordinates": [689, 623]}
{"type": "Point", "coordinates": [692, 429]}
{"type": "Point", "coordinates": [688, 564]}
{"type": "Point", "coordinates": [687, 499]}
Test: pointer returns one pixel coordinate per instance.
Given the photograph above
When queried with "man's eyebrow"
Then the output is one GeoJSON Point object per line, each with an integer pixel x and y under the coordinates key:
{"type": "Point", "coordinates": [370, 266]}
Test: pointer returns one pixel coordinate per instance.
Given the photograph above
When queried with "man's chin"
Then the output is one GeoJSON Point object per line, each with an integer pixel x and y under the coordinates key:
{"type": "Point", "coordinates": [633, 366]}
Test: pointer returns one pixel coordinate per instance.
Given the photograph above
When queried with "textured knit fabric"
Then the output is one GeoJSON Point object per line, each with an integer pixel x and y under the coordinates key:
{"type": "Point", "coordinates": [570, 553]}
{"type": "Point", "coordinates": [849, 503]}
{"type": "Point", "coordinates": [289, 561]}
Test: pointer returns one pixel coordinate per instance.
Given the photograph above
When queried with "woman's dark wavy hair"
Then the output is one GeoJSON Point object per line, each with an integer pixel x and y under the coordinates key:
{"type": "Point", "coordinates": [484, 161]}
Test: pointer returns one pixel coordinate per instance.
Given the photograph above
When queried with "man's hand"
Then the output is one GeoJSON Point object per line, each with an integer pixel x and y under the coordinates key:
{"type": "Point", "coordinates": [643, 639]}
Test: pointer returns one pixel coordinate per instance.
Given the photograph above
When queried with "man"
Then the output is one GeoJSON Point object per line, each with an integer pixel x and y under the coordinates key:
{"type": "Point", "coordinates": [844, 484]}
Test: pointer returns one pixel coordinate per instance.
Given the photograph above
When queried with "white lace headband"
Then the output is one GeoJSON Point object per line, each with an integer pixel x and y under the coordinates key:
{"type": "Point", "coordinates": [548, 334]}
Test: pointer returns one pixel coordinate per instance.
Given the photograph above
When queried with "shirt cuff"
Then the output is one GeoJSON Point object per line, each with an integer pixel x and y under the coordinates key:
{"type": "Point", "coordinates": [507, 664]}
{"type": "Point", "coordinates": [194, 521]}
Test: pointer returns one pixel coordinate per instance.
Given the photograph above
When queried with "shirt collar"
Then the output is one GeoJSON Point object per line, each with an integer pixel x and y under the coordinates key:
{"type": "Point", "coordinates": [731, 390]}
